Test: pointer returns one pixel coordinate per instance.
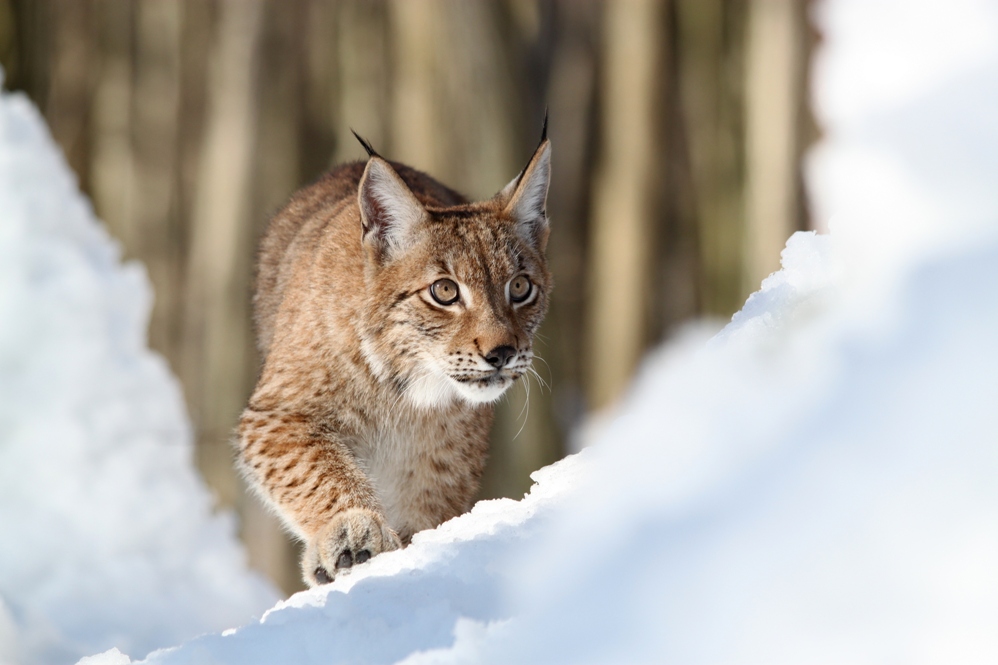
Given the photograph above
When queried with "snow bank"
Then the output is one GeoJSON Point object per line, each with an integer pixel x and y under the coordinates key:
{"type": "Point", "coordinates": [816, 483]}
{"type": "Point", "coordinates": [107, 535]}
{"type": "Point", "coordinates": [906, 93]}
{"type": "Point", "coordinates": [809, 486]}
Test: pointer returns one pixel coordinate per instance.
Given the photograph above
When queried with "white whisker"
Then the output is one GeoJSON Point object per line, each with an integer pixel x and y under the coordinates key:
{"type": "Point", "coordinates": [550, 376]}
{"type": "Point", "coordinates": [526, 407]}
{"type": "Point", "coordinates": [540, 380]}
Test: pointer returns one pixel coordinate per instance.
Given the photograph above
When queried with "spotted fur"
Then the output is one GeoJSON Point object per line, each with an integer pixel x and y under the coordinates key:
{"type": "Point", "coordinates": [371, 416]}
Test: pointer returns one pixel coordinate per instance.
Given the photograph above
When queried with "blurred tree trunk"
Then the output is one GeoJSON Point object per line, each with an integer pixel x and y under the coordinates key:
{"type": "Point", "coordinates": [455, 101]}
{"type": "Point", "coordinates": [676, 289]}
{"type": "Point", "coordinates": [158, 234]}
{"type": "Point", "coordinates": [572, 97]}
{"type": "Point", "coordinates": [113, 168]}
{"type": "Point", "coordinates": [364, 75]}
{"type": "Point", "coordinates": [218, 366]}
{"type": "Point", "coordinates": [620, 271]}
{"type": "Point", "coordinates": [318, 128]}
{"type": "Point", "coordinates": [777, 34]}
{"type": "Point", "coordinates": [67, 104]}
{"type": "Point", "coordinates": [710, 42]}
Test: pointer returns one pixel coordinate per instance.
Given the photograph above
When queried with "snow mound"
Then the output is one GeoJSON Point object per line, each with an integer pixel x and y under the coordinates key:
{"type": "Point", "coordinates": [808, 486]}
{"type": "Point", "coordinates": [107, 534]}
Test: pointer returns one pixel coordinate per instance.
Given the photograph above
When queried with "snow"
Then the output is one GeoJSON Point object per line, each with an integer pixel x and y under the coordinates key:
{"type": "Point", "coordinates": [809, 485]}
{"type": "Point", "coordinates": [107, 535]}
{"type": "Point", "coordinates": [817, 482]}
{"type": "Point", "coordinates": [906, 93]}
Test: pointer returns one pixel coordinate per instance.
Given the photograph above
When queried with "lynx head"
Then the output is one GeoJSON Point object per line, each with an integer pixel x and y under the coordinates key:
{"type": "Point", "coordinates": [457, 292]}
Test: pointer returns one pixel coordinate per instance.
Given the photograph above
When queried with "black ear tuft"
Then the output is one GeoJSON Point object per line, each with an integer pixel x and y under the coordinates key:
{"type": "Point", "coordinates": [544, 137]}
{"type": "Point", "coordinates": [372, 153]}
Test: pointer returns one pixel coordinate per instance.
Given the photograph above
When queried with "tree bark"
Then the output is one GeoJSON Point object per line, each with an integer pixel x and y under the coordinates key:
{"type": "Point", "coordinates": [619, 273]}
{"type": "Point", "coordinates": [218, 365]}
{"type": "Point", "coordinates": [773, 61]}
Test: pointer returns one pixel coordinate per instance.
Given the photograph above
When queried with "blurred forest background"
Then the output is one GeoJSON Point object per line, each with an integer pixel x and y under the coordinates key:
{"type": "Point", "coordinates": [678, 128]}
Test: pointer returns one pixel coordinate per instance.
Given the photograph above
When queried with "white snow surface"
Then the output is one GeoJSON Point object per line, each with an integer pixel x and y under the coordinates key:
{"type": "Point", "coordinates": [816, 483]}
{"type": "Point", "coordinates": [107, 535]}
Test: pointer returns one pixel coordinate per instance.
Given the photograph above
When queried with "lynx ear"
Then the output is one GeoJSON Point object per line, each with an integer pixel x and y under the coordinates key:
{"type": "Point", "coordinates": [389, 210]}
{"type": "Point", "coordinates": [526, 196]}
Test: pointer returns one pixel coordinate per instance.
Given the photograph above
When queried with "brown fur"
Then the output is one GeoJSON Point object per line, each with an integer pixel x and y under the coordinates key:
{"type": "Point", "coordinates": [371, 416]}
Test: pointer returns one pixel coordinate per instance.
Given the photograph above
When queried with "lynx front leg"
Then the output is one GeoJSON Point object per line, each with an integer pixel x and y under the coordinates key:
{"type": "Point", "coordinates": [318, 490]}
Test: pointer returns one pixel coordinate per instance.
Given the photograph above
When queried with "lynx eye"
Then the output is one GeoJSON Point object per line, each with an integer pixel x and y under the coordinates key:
{"type": "Point", "coordinates": [520, 288]}
{"type": "Point", "coordinates": [444, 291]}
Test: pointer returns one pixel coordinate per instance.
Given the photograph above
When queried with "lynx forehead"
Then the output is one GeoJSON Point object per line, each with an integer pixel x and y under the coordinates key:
{"type": "Point", "coordinates": [390, 313]}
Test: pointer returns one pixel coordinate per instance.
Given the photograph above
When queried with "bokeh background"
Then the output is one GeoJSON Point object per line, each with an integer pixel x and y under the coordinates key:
{"type": "Point", "coordinates": [678, 129]}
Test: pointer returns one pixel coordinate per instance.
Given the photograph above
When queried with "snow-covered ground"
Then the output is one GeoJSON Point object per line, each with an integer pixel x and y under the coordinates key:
{"type": "Point", "coordinates": [816, 483]}
{"type": "Point", "coordinates": [107, 535]}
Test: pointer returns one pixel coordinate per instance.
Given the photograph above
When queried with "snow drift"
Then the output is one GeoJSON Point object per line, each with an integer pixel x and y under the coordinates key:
{"type": "Point", "coordinates": [107, 536]}
{"type": "Point", "coordinates": [811, 485]}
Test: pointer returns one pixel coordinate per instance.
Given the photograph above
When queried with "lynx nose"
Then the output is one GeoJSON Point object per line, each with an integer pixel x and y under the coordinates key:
{"type": "Point", "coordinates": [499, 356]}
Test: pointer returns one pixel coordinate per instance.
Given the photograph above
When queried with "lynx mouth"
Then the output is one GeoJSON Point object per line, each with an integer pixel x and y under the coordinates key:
{"type": "Point", "coordinates": [484, 387]}
{"type": "Point", "coordinates": [436, 388]}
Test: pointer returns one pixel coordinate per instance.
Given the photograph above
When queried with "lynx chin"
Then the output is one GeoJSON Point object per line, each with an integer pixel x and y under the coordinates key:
{"type": "Point", "coordinates": [391, 313]}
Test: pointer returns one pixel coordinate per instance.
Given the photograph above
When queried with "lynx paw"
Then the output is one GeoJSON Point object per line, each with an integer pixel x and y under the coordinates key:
{"type": "Point", "coordinates": [354, 536]}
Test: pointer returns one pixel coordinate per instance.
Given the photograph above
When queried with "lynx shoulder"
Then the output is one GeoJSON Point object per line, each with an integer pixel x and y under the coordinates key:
{"type": "Point", "coordinates": [390, 314]}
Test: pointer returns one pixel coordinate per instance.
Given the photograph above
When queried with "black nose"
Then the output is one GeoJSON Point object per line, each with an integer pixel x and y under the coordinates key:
{"type": "Point", "coordinates": [499, 356]}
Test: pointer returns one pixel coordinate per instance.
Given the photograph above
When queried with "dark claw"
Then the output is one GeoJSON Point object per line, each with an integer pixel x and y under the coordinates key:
{"type": "Point", "coordinates": [321, 576]}
{"type": "Point", "coordinates": [345, 560]}
{"type": "Point", "coordinates": [363, 556]}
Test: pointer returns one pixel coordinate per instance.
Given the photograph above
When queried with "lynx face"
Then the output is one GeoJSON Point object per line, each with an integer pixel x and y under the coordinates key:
{"type": "Point", "coordinates": [459, 291]}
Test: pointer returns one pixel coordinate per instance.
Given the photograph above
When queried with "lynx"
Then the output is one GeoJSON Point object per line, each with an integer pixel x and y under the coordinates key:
{"type": "Point", "coordinates": [391, 313]}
